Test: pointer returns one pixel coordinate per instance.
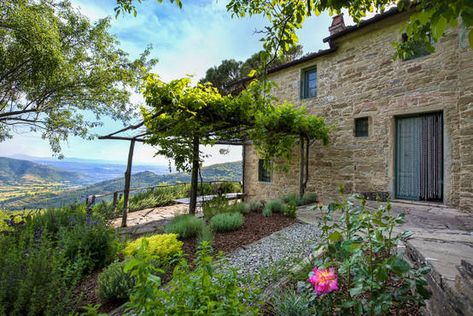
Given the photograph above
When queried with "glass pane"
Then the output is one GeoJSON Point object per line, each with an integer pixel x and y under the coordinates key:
{"type": "Point", "coordinates": [264, 175]}
{"type": "Point", "coordinates": [311, 75]}
{"type": "Point", "coordinates": [312, 93]}
{"type": "Point", "coordinates": [408, 156]}
{"type": "Point", "coordinates": [361, 127]}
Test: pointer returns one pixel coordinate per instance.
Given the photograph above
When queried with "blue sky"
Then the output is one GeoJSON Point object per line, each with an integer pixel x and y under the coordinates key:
{"type": "Point", "coordinates": [186, 42]}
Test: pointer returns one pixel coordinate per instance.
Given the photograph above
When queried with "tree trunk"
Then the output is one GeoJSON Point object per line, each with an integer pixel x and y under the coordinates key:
{"type": "Point", "coordinates": [194, 175]}
{"type": "Point", "coordinates": [301, 167]}
{"type": "Point", "coordinates": [126, 191]}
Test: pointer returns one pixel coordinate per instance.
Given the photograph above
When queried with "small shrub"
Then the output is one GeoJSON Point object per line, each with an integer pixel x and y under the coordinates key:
{"type": "Point", "coordinates": [199, 291]}
{"type": "Point", "coordinates": [360, 251]}
{"type": "Point", "coordinates": [94, 244]}
{"type": "Point", "coordinates": [309, 198]}
{"type": "Point", "coordinates": [206, 235]}
{"type": "Point", "coordinates": [226, 222]}
{"type": "Point", "coordinates": [292, 198]}
{"type": "Point", "coordinates": [267, 212]}
{"type": "Point", "coordinates": [163, 247]}
{"type": "Point", "coordinates": [218, 205]}
{"type": "Point", "coordinates": [34, 279]}
{"type": "Point", "coordinates": [276, 206]}
{"type": "Point", "coordinates": [186, 226]}
{"type": "Point", "coordinates": [290, 303]}
{"type": "Point", "coordinates": [243, 208]}
{"type": "Point", "coordinates": [256, 206]}
{"type": "Point", "coordinates": [114, 283]}
{"type": "Point", "coordinates": [290, 210]}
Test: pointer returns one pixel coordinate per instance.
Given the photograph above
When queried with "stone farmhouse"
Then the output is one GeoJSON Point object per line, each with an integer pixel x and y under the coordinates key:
{"type": "Point", "coordinates": [402, 128]}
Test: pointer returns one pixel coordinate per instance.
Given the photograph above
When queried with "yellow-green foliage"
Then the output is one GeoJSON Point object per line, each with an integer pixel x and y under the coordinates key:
{"type": "Point", "coordinates": [163, 246]}
{"type": "Point", "coordinates": [17, 217]}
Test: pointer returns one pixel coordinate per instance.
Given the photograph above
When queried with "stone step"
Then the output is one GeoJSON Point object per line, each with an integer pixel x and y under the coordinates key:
{"type": "Point", "coordinates": [464, 286]}
{"type": "Point", "coordinates": [449, 297]}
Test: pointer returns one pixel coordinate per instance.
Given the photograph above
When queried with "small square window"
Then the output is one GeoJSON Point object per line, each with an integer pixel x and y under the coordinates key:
{"type": "Point", "coordinates": [264, 173]}
{"type": "Point", "coordinates": [309, 83]}
{"type": "Point", "coordinates": [361, 127]}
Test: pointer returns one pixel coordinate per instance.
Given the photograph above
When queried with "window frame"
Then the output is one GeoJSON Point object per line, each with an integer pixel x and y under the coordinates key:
{"type": "Point", "coordinates": [304, 93]}
{"type": "Point", "coordinates": [361, 133]}
{"type": "Point", "coordinates": [264, 175]}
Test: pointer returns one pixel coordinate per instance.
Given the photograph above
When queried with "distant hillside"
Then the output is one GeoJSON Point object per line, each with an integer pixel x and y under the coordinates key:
{"type": "Point", "coordinates": [230, 171]}
{"type": "Point", "coordinates": [93, 170]}
{"type": "Point", "coordinates": [23, 172]}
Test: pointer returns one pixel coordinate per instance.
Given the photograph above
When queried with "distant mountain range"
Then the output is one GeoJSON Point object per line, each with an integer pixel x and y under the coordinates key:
{"type": "Point", "coordinates": [230, 171]}
{"type": "Point", "coordinates": [92, 170]}
{"type": "Point", "coordinates": [22, 172]}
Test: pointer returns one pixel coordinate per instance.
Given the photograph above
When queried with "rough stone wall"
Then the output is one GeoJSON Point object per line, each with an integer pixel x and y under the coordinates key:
{"type": "Point", "coordinates": [361, 79]}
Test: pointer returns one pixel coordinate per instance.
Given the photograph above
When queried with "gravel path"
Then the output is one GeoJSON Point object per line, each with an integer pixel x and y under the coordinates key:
{"type": "Point", "coordinates": [295, 241]}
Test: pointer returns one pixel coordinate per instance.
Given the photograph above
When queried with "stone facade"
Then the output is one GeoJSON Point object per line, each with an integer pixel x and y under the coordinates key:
{"type": "Point", "coordinates": [361, 79]}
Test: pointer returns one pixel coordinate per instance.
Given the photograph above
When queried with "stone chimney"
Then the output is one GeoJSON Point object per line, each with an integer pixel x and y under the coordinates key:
{"type": "Point", "coordinates": [338, 24]}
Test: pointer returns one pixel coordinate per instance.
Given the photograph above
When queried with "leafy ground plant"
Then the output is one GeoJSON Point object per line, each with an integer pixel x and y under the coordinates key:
{"type": "Point", "coordinates": [359, 271]}
{"type": "Point", "coordinates": [201, 291]}
{"type": "Point", "coordinates": [227, 222]}
{"type": "Point", "coordinates": [291, 303]}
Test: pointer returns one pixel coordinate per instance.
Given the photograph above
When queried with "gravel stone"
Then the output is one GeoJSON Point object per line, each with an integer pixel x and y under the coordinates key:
{"type": "Point", "coordinates": [295, 241]}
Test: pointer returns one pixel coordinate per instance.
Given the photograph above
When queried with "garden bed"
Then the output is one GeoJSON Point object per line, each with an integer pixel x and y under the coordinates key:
{"type": "Point", "coordinates": [256, 226]}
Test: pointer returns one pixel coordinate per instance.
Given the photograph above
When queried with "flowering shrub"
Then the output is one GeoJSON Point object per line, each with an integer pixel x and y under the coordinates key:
{"type": "Point", "coordinates": [359, 271]}
{"type": "Point", "coordinates": [163, 247]}
{"type": "Point", "coordinates": [324, 281]}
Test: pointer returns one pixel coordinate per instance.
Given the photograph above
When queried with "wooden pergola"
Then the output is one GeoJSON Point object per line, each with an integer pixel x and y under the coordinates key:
{"type": "Point", "coordinates": [140, 134]}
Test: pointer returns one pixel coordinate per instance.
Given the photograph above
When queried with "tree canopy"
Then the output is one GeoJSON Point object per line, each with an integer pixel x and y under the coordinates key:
{"type": "Point", "coordinates": [59, 73]}
{"type": "Point", "coordinates": [285, 17]}
{"type": "Point", "coordinates": [230, 70]}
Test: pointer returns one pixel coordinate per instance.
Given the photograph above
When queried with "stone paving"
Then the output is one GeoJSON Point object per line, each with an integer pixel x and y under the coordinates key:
{"type": "Point", "coordinates": [149, 220]}
{"type": "Point", "coordinates": [443, 237]}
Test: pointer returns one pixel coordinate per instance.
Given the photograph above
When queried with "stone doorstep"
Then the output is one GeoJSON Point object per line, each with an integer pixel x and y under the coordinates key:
{"type": "Point", "coordinates": [450, 296]}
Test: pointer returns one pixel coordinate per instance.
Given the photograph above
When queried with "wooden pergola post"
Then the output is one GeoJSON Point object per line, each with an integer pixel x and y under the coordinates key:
{"type": "Point", "coordinates": [126, 191]}
{"type": "Point", "coordinates": [194, 175]}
